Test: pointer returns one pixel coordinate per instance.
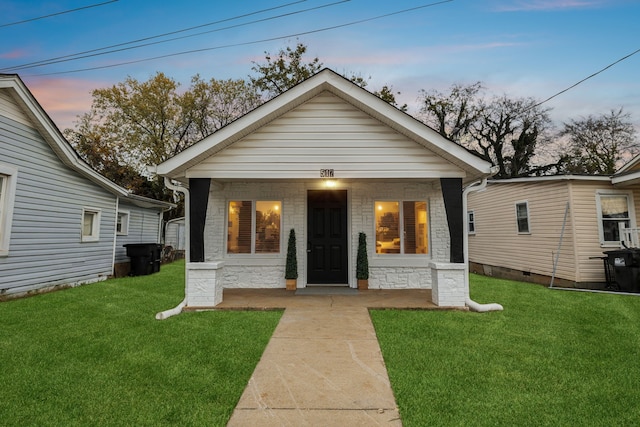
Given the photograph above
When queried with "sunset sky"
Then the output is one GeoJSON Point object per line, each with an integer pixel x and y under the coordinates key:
{"type": "Point", "coordinates": [522, 48]}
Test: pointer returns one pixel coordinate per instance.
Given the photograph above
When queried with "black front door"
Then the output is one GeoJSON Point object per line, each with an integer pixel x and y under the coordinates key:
{"type": "Point", "coordinates": [327, 256]}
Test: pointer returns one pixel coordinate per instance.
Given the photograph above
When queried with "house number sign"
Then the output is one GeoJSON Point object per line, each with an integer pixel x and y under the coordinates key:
{"type": "Point", "coordinates": [326, 173]}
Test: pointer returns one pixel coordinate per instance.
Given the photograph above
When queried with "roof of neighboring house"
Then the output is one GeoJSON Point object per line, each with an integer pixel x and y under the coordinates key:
{"type": "Point", "coordinates": [61, 147]}
{"type": "Point", "coordinates": [327, 80]}
{"type": "Point", "coordinates": [549, 178]}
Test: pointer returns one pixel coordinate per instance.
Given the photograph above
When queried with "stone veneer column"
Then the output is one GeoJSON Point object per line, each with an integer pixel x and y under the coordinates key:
{"type": "Point", "coordinates": [448, 284]}
{"type": "Point", "coordinates": [204, 284]}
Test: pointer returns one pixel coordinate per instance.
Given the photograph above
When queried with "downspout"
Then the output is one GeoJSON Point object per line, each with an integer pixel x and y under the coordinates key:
{"type": "Point", "coordinates": [115, 238]}
{"type": "Point", "coordinates": [473, 306]}
{"type": "Point", "coordinates": [178, 309]}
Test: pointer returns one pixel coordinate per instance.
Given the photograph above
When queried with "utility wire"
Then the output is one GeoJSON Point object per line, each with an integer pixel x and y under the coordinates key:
{"type": "Point", "coordinates": [580, 82]}
{"type": "Point", "coordinates": [57, 13]}
{"type": "Point", "coordinates": [78, 54]}
{"type": "Point", "coordinates": [249, 42]}
{"type": "Point", "coordinates": [69, 58]}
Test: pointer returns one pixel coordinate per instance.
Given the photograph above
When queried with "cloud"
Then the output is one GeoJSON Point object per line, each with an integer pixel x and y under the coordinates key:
{"type": "Point", "coordinates": [14, 54]}
{"type": "Point", "coordinates": [546, 5]}
{"type": "Point", "coordinates": [63, 99]}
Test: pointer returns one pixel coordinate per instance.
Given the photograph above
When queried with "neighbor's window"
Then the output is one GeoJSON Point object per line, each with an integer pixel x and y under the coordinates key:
{"type": "Point", "coordinates": [122, 224]}
{"type": "Point", "coordinates": [522, 217]}
{"type": "Point", "coordinates": [90, 225]}
{"type": "Point", "coordinates": [613, 210]}
{"type": "Point", "coordinates": [471, 222]}
{"type": "Point", "coordinates": [8, 178]}
{"type": "Point", "coordinates": [401, 227]}
{"type": "Point", "coordinates": [254, 227]}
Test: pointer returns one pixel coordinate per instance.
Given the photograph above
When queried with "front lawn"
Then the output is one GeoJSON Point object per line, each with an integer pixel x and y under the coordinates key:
{"type": "Point", "coordinates": [95, 355]}
{"type": "Point", "coordinates": [551, 358]}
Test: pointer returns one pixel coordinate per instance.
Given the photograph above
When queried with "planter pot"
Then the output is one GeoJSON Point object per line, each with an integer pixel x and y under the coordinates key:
{"type": "Point", "coordinates": [292, 284]}
{"type": "Point", "coordinates": [363, 284]}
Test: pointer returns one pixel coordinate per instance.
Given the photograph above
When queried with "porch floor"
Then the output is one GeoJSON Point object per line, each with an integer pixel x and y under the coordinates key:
{"type": "Point", "coordinates": [266, 299]}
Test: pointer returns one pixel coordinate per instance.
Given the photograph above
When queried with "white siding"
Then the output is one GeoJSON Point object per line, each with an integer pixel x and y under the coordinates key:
{"type": "Point", "coordinates": [325, 133]}
{"type": "Point", "coordinates": [45, 248]}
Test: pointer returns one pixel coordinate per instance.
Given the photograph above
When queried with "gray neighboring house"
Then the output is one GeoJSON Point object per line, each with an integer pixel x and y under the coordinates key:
{"type": "Point", "coordinates": [61, 223]}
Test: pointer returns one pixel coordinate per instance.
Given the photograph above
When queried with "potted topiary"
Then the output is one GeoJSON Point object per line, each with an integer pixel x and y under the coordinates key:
{"type": "Point", "coordinates": [362, 263]}
{"type": "Point", "coordinates": [291, 268]}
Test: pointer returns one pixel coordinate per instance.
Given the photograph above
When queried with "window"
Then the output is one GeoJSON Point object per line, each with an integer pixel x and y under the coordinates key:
{"type": "Point", "coordinates": [522, 217]}
{"type": "Point", "coordinates": [8, 178]}
{"type": "Point", "coordinates": [613, 211]}
{"type": "Point", "coordinates": [122, 224]}
{"type": "Point", "coordinates": [471, 222]}
{"type": "Point", "coordinates": [90, 225]}
{"type": "Point", "coordinates": [401, 227]}
{"type": "Point", "coordinates": [254, 227]}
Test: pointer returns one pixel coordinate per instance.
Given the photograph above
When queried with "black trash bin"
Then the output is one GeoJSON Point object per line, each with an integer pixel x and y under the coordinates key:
{"type": "Point", "coordinates": [145, 258]}
{"type": "Point", "coordinates": [625, 264]}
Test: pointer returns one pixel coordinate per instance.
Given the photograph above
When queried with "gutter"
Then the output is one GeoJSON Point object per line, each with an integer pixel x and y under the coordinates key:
{"type": "Point", "coordinates": [178, 309]}
{"type": "Point", "coordinates": [473, 306]}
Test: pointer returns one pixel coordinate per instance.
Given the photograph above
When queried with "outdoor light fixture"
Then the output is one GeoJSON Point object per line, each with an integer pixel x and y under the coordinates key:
{"type": "Point", "coordinates": [330, 183]}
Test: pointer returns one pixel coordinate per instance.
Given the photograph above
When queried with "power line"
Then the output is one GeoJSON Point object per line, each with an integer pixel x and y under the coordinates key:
{"type": "Point", "coordinates": [77, 55]}
{"type": "Point", "coordinates": [249, 42]}
{"type": "Point", "coordinates": [581, 81]}
{"type": "Point", "coordinates": [57, 13]}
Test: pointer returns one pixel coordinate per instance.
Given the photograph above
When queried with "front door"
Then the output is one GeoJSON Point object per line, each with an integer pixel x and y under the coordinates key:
{"type": "Point", "coordinates": [327, 258]}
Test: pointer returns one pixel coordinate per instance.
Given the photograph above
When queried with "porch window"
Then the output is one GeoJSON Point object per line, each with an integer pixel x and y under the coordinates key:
{"type": "Point", "coordinates": [613, 211]}
{"type": "Point", "coordinates": [522, 217]}
{"type": "Point", "coordinates": [254, 227]}
{"type": "Point", "coordinates": [401, 227]}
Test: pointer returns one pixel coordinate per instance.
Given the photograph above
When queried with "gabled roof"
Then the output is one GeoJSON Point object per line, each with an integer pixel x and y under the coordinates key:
{"type": "Point", "coordinates": [61, 147]}
{"type": "Point", "coordinates": [326, 80]}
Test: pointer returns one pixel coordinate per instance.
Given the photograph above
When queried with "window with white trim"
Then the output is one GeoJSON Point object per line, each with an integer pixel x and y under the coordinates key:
{"type": "Point", "coordinates": [254, 227]}
{"type": "Point", "coordinates": [122, 223]}
{"type": "Point", "coordinates": [471, 222]}
{"type": "Point", "coordinates": [90, 225]}
{"type": "Point", "coordinates": [522, 217]}
{"type": "Point", "coordinates": [614, 210]}
{"type": "Point", "coordinates": [401, 227]}
{"type": "Point", "coordinates": [8, 178]}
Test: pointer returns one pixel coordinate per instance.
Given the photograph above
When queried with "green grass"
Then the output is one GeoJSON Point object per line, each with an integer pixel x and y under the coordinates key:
{"type": "Point", "coordinates": [551, 358]}
{"type": "Point", "coordinates": [95, 355]}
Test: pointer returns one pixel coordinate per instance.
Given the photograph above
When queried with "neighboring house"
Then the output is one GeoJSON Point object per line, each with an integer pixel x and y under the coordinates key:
{"type": "Point", "coordinates": [61, 223]}
{"type": "Point", "coordinates": [174, 234]}
{"type": "Point", "coordinates": [539, 228]}
{"type": "Point", "coordinates": [329, 160]}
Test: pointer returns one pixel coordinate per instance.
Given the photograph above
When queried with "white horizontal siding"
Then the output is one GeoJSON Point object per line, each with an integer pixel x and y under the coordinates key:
{"type": "Point", "coordinates": [45, 247]}
{"type": "Point", "coordinates": [325, 133]}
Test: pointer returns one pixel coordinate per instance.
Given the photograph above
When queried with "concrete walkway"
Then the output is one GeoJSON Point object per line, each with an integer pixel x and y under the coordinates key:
{"type": "Point", "coordinates": [323, 365]}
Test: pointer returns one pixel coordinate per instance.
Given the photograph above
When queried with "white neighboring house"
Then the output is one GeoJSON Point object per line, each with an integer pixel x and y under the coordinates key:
{"type": "Point", "coordinates": [330, 160]}
{"type": "Point", "coordinates": [61, 223]}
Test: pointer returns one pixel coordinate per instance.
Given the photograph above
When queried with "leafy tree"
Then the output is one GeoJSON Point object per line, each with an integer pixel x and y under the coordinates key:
{"type": "Point", "coordinates": [283, 70]}
{"type": "Point", "coordinates": [599, 144]}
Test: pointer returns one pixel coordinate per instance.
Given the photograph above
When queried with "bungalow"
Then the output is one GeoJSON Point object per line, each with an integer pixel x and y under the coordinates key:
{"type": "Point", "coordinates": [61, 223]}
{"type": "Point", "coordinates": [329, 160]}
{"type": "Point", "coordinates": [553, 230]}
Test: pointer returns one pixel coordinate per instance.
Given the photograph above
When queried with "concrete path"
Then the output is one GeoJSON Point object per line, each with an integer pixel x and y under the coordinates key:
{"type": "Point", "coordinates": [322, 367]}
